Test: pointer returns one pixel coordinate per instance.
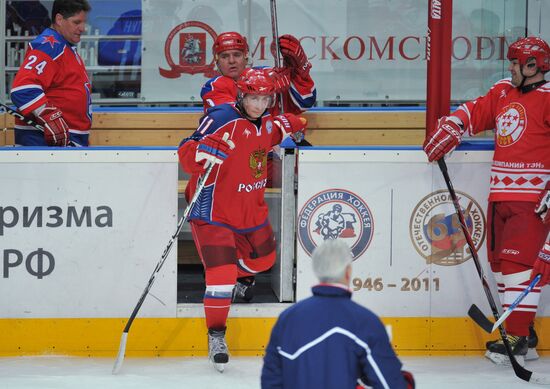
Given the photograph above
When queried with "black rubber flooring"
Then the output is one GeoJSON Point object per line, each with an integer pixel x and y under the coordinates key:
{"type": "Point", "coordinates": [191, 286]}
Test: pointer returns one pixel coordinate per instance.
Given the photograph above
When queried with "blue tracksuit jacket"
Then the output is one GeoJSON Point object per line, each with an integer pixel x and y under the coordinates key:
{"type": "Point", "coordinates": [328, 341]}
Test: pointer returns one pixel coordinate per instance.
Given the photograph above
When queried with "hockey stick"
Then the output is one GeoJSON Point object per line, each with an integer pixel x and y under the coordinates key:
{"type": "Point", "coordinates": [275, 33]}
{"type": "Point", "coordinates": [27, 120]}
{"type": "Point", "coordinates": [122, 348]}
{"type": "Point", "coordinates": [519, 370]}
{"type": "Point", "coordinates": [477, 315]}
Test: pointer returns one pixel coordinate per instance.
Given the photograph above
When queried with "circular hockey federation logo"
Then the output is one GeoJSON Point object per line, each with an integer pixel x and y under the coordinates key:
{"type": "Point", "coordinates": [435, 230]}
{"type": "Point", "coordinates": [336, 214]}
{"type": "Point", "coordinates": [510, 124]}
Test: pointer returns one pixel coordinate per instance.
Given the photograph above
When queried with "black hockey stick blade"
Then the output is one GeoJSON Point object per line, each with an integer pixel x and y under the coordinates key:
{"type": "Point", "coordinates": [480, 319]}
{"type": "Point", "coordinates": [303, 143]}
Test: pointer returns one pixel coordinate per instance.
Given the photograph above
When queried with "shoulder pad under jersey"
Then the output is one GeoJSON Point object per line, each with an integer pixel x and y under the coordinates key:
{"type": "Point", "coordinates": [49, 42]}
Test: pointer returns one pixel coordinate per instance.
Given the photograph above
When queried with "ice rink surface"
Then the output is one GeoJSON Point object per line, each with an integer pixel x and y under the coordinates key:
{"type": "Point", "coordinates": [57, 372]}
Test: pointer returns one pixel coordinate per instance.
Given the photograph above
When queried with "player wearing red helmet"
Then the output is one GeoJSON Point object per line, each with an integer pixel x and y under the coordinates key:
{"type": "Point", "coordinates": [230, 51]}
{"type": "Point", "coordinates": [533, 57]}
{"type": "Point", "coordinates": [230, 222]}
{"type": "Point", "coordinates": [518, 108]}
{"type": "Point", "coordinates": [292, 81]}
{"type": "Point", "coordinates": [231, 54]}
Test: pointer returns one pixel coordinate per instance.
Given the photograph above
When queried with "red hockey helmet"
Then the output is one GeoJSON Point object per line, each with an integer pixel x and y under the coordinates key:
{"type": "Point", "coordinates": [256, 82]}
{"type": "Point", "coordinates": [531, 47]}
{"type": "Point", "coordinates": [230, 41]}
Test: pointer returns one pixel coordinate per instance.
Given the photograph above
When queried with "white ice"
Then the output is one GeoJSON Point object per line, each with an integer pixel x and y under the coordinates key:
{"type": "Point", "coordinates": [57, 372]}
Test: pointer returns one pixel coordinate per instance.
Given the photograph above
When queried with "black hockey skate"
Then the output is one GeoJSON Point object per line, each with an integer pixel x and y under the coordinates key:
{"type": "Point", "coordinates": [532, 342]}
{"type": "Point", "coordinates": [244, 289]}
{"type": "Point", "coordinates": [496, 351]}
{"type": "Point", "coordinates": [217, 349]}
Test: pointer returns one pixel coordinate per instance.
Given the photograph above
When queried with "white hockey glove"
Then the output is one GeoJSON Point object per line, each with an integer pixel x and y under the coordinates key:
{"type": "Point", "coordinates": [543, 204]}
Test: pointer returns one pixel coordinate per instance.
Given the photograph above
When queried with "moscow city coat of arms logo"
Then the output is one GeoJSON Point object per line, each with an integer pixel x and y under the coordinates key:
{"type": "Point", "coordinates": [336, 214]}
{"type": "Point", "coordinates": [187, 50]}
{"type": "Point", "coordinates": [435, 230]}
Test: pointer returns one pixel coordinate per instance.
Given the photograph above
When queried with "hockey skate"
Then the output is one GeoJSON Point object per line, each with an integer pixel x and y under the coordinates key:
{"type": "Point", "coordinates": [217, 349]}
{"type": "Point", "coordinates": [496, 351]}
{"type": "Point", "coordinates": [532, 342]}
{"type": "Point", "coordinates": [244, 289]}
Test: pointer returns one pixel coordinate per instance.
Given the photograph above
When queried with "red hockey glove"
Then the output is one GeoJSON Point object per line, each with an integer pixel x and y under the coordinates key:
{"type": "Point", "coordinates": [543, 205]}
{"type": "Point", "coordinates": [409, 379]}
{"type": "Point", "coordinates": [446, 137]}
{"type": "Point", "coordinates": [542, 264]}
{"type": "Point", "coordinates": [294, 55]}
{"type": "Point", "coordinates": [281, 78]}
{"type": "Point", "coordinates": [56, 130]}
{"type": "Point", "coordinates": [214, 148]}
{"type": "Point", "coordinates": [291, 124]}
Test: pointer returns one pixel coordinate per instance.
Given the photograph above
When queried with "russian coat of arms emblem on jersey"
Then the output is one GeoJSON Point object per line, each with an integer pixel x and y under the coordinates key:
{"type": "Point", "coordinates": [258, 162]}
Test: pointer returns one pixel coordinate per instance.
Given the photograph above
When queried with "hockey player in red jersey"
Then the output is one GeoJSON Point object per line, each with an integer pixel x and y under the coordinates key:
{"type": "Point", "coordinates": [52, 86]}
{"type": "Point", "coordinates": [293, 82]}
{"type": "Point", "coordinates": [230, 51]}
{"type": "Point", "coordinates": [230, 222]}
{"type": "Point", "coordinates": [518, 108]}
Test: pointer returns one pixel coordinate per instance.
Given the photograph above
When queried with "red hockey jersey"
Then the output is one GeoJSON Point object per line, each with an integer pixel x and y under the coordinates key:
{"type": "Point", "coordinates": [521, 162]}
{"type": "Point", "coordinates": [233, 195]}
{"type": "Point", "coordinates": [54, 72]}
{"type": "Point", "coordinates": [300, 97]}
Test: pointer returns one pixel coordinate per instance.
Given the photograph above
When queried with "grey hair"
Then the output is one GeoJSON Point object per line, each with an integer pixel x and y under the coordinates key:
{"type": "Point", "coordinates": [330, 260]}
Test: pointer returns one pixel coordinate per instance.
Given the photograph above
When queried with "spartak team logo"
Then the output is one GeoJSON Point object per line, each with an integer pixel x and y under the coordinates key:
{"type": "Point", "coordinates": [510, 124]}
{"type": "Point", "coordinates": [193, 56]}
{"type": "Point", "coordinates": [435, 229]}
{"type": "Point", "coordinates": [336, 214]}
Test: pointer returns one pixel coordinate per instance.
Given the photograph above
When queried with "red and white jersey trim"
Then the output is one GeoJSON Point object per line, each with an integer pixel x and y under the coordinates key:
{"type": "Point", "coordinates": [511, 181]}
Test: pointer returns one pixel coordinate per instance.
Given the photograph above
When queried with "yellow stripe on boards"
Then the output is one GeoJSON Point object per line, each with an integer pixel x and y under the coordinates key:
{"type": "Point", "coordinates": [245, 336]}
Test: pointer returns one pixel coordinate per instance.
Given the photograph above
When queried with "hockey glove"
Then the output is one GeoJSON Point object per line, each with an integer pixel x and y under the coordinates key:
{"type": "Point", "coordinates": [292, 125]}
{"type": "Point", "coordinates": [56, 130]}
{"type": "Point", "coordinates": [294, 55]}
{"type": "Point", "coordinates": [543, 205]}
{"type": "Point", "coordinates": [542, 264]}
{"type": "Point", "coordinates": [214, 149]}
{"type": "Point", "coordinates": [281, 78]}
{"type": "Point", "coordinates": [409, 379]}
{"type": "Point", "coordinates": [447, 136]}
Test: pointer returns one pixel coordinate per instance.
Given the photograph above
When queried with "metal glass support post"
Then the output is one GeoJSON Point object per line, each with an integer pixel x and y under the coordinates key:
{"type": "Point", "coordinates": [283, 270]}
{"type": "Point", "coordinates": [3, 52]}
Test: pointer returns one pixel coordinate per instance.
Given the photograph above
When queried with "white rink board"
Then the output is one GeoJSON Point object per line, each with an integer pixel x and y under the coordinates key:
{"type": "Point", "coordinates": [391, 276]}
{"type": "Point", "coordinates": [100, 268]}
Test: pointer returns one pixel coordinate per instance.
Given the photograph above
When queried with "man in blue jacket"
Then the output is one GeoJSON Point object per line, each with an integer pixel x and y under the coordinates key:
{"type": "Point", "coordinates": [329, 341]}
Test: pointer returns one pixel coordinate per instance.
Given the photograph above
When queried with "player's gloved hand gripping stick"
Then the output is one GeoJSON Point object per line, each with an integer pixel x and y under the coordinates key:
{"type": "Point", "coordinates": [294, 56]}
{"type": "Point", "coordinates": [58, 136]}
{"type": "Point", "coordinates": [520, 371]}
